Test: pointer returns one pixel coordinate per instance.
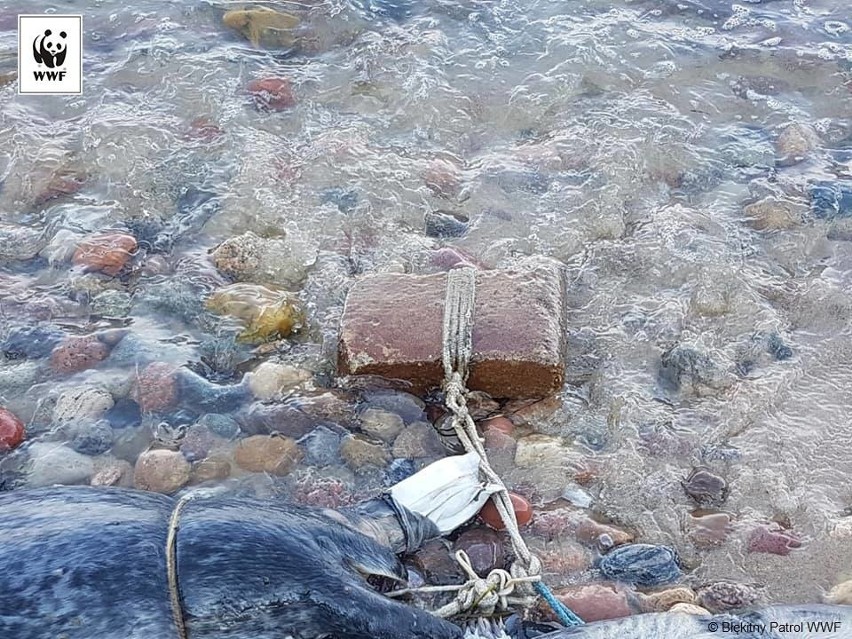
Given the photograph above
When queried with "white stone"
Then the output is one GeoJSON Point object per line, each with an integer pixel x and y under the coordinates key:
{"type": "Point", "coordinates": [381, 423]}
{"type": "Point", "coordinates": [53, 463]}
{"type": "Point", "coordinates": [271, 380]}
{"type": "Point", "coordinates": [82, 403]}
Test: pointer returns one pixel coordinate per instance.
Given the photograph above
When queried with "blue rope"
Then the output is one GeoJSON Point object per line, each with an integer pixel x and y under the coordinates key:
{"type": "Point", "coordinates": [562, 611]}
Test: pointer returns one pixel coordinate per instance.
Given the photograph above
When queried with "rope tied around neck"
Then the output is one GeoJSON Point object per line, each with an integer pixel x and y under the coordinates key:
{"type": "Point", "coordinates": [525, 572]}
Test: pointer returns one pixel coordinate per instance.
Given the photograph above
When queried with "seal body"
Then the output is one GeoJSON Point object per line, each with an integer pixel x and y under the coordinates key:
{"type": "Point", "coordinates": [83, 563]}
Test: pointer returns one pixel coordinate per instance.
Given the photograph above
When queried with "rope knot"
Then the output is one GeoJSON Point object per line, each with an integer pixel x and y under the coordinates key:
{"type": "Point", "coordinates": [486, 595]}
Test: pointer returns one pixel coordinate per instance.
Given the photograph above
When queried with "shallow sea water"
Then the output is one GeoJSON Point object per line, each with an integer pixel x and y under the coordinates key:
{"type": "Point", "coordinates": [621, 138]}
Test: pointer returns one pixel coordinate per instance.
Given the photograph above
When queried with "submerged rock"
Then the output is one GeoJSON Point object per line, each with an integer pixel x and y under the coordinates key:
{"type": "Point", "coordinates": [57, 464]}
{"type": "Point", "coordinates": [725, 596]}
{"type": "Point", "coordinates": [381, 424]}
{"type": "Point", "coordinates": [271, 94]}
{"type": "Point", "coordinates": [274, 261]}
{"type": "Point", "coordinates": [796, 142]}
{"type": "Point", "coordinates": [12, 430]}
{"type": "Point", "coordinates": [112, 303]}
{"type": "Point", "coordinates": [831, 200]}
{"type": "Point", "coordinates": [265, 313]}
{"type": "Point", "coordinates": [125, 413]}
{"type": "Point", "coordinates": [361, 455]}
{"type": "Point", "coordinates": [271, 380]}
{"type": "Point", "coordinates": [774, 214]}
{"type": "Point", "coordinates": [161, 471]}
{"type": "Point", "coordinates": [772, 539]}
{"type": "Point", "coordinates": [31, 342]}
{"type": "Point", "coordinates": [88, 437]}
{"type": "Point", "coordinates": [688, 369]}
{"type": "Point", "coordinates": [264, 27]}
{"type": "Point", "coordinates": [156, 387]}
{"type": "Point", "coordinates": [321, 446]}
{"type": "Point", "coordinates": [444, 224]}
{"type": "Point", "coordinates": [272, 454]}
{"type": "Point", "coordinates": [106, 253]}
{"type": "Point", "coordinates": [82, 404]}
{"type": "Point", "coordinates": [76, 354]}
{"type": "Point", "coordinates": [705, 487]}
{"type": "Point", "coordinates": [641, 564]}
{"type": "Point", "coordinates": [20, 242]}
{"type": "Point", "coordinates": [484, 547]}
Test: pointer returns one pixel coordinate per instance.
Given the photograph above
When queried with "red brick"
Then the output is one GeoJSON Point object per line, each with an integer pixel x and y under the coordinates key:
{"type": "Point", "coordinates": [392, 328]}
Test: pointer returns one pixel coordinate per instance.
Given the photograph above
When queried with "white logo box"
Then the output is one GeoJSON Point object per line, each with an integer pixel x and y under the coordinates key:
{"type": "Point", "coordinates": [50, 54]}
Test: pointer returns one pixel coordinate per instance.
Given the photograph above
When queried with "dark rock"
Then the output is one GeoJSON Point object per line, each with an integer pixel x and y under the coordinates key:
{"type": "Point", "coordinates": [418, 441]}
{"type": "Point", "coordinates": [641, 564]}
{"type": "Point", "coordinates": [321, 446]}
{"type": "Point", "coordinates": [406, 405]}
{"type": "Point", "coordinates": [90, 438]}
{"type": "Point", "coordinates": [686, 368]}
{"type": "Point", "coordinates": [831, 200]}
{"type": "Point", "coordinates": [197, 442]}
{"type": "Point", "coordinates": [484, 547]}
{"type": "Point", "coordinates": [705, 487]}
{"type": "Point", "coordinates": [444, 224]}
{"type": "Point", "coordinates": [31, 342]}
{"type": "Point", "coordinates": [533, 182]}
{"type": "Point", "coordinates": [518, 337]}
{"type": "Point", "coordinates": [725, 596]}
{"type": "Point", "coordinates": [124, 413]}
{"type": "Point", "coordinates": [437, 564]}
{"type": "Point", "coordinates": [222, 425]}
{"type": "Point", "coordinates": [398, 470]}
{"type": "Point", "coordinates": [344, 199]}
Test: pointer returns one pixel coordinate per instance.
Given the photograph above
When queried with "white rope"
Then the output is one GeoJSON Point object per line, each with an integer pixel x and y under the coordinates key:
{"type": "Point", "coordinates": [458, 347]}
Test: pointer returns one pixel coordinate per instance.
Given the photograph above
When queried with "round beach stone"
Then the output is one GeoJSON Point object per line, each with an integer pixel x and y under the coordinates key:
{"type": "Point", "coordinates": [418, 441]}
{"type": "Point", "coordinates": [105, 252]}
{"type": "Point", "coordinates": [796, 141]}
{"type": "Point", "coordinates": [161, 471]}
{"type": "Point", "coordinates": [271, 94]}
{"type": "Point", "coordinates": [89, 437]}
{"type": "Point", "coordinates": [381, 424]}
{"type": "Point", "coordinates": [221, 425]}
{"type": "Point", "coordinates": [82, 404]}
{"type": "Point", "coordinates": [595, 602]}
{"type": "Point", "coordinates": [271, 380]}
{"type": "Point", "coordinates": [725, 596]}
{"type": "Point", "coordinates": [360, 454]}
{"type": "Point", "coordinates": [705, 487]}
{"type": "Point", "coordinates": [52, 463]}
{"type": "Point", "coordinates": [772, 539]}
{"type": "Point", "coordinates": [76, 354]}
{"type": "Point", "coordinates": [112, 303]}
{"type": "Point", "coordinates": [663, 600]}
{"type": "Point", "coordinates": [272, 454]}
{"type": "Point", "coordinates": [641, 564]}
{"type": "Point", "coordinates": [522, 507]}
{"type": "Point", "coordinates": [156, 387]}
{"type": "Point", "coordinates": [209, 469]}
{"type": "Point", "coordinates": [12, 430]}
{"type": "Point", "coordinates": [321, 446]}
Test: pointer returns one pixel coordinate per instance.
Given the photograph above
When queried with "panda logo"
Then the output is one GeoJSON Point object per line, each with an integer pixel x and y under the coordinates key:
{"type": "Point", "coordinates": [48, 50]}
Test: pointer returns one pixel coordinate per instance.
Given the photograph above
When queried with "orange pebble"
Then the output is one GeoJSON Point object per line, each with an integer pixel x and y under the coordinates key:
{"type": "Point", "coordinates": [523, 512]}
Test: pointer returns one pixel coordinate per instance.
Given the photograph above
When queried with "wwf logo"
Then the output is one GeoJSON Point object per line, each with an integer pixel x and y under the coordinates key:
{"type": "Point", "coordinates": [50, 50]}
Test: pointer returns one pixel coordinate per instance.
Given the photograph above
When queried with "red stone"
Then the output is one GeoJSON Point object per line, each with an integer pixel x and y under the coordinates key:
{"type": "Point", "coordinates": [156, 387]}
{"type": "Point", "coordinates": [773, 539]}
{"type": "Point", "coordinates": [78, 354]}
{"type": "Point", "coordinates": [596, 602]}
{"type": "Point", "coordinates": [61, 184]}
{"type": "Point", "coordinates": [272, 94]}
{"type": "Point", "coordinates": [523, 512]}
{"type": "Point", "coordinates": [502, 424]}
{"type": "Point", "coordinates": [204, 129]}
{"type": "Point", "coordinates": [392, 327]}
{"type": "Point", "coordinates": [11, 430]}
{"type": "Point", "coordinates": [105, 252]}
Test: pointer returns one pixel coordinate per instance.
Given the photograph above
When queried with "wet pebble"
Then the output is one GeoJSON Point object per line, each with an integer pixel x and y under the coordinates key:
{"type": "Point", "coordinates": [105, 253]}
{"type": "Point", "coordinates": [705, 487]}
{"type": "Point", "coordinates": [595, 602]}
{"type": "Point", "coordinates": [564, 558]}
{"type": "Point", "coordinates": [641, 564]}
{"type": "Point", "coordinates": [210, 469]}
{"type": "Point", "coordinates": [12, 431]}
{"type": "Point", "coordinates": [344, 199]}
{"type": "Point", "coordinates": [577, 495]}
{"type": "Point", "coordinates": [31, 342]}
{"type": "Point", "coordinates": [321, 446]}
{"type": "Point", "coordinates": [156, 387]}
{"type": "Point", "coordinates": [410, 407]}
{"type": "Point", "coordinates": [501, 424]}
{"type": "Point", "coordinates": [484, 547]}
{"type": "Point", "coordinates": [204, 396]}
{"type": "Point", "coordinates": [323, 492]}
{"type": "Point", "coordinates": [443, 178]}
{"type": "Point", "coordinates": [536, 451]}
{"type": "Point", "coordinates": [271, 94]}
{"type": "Point", "coordinates": [266, 314]}
{"type": "Point", "coordinates": [361, 455]}
{"type": "Point", "coordinates": [76, 354]}
{"type": "Point", "coordinates": [271, 380]}
{"type": "Point", "coordinates": [125, 413]}
{"type": "Point", "coordinates": [82, 404]}
{"type": "Point", "coordinates": [445, 224]}
{"type": "Point", "coordinates": [418, 441]}
{"type": "Point", "coordinates": [88, 437]}
{"type": "Point", "coordinates": [398, 470]}
{"type": "Point", "coordinates": [773, 214]}
{"type": "Point", "coordinates": [263, 26]}
{"type": "Point", "coordinates": [273, 454]}
{"type": "Point", "coordinates": [522, 507]}
{"type": "Point", "coordinates": [381, 424]}
{"type": "Point", "coordinates": [725, 596]}
{"type": "Point", "coordinates": [561, 522]}
{"type": "Point", "coordinates": [688, 369]}
{"type": "Point", "coordinates": [831, 200]}
{"type": "Point", "coordinates": [112, 303]}
{"type": "Point", "coordinates": [57, 464]}
{"type": "Point", "coordinates": [223, 426]}
{"type": "Point", "coordinates": [20, 242]}
{"type": "Point", "coordinates": [161, 471]}
{"type": "Point", "coordinates": [448, 257]}
{"type": "Point", "coordinates": [197, 443]}
{"type": "Point", "coordinates": [261, 260]}
{"type": "Point", "coordinates": [772, 539]}
{"type": "Point", "coordinates": [841, 594]}
{"type": "Point", "coordinates": [114, 472]}
{"type": "Point", "coordinates": [707, 530]}
{"type": "Point", "coordinates": [664, 600]}
{"type": "Point", "coordinates": [795, 142]}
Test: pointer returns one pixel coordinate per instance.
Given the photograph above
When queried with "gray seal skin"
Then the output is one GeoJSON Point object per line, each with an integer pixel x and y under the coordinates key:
{"type": "Point", "coordinates": [836, 623]}
{"type": "Point", "coordinates": [85, 563]}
